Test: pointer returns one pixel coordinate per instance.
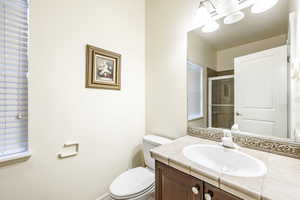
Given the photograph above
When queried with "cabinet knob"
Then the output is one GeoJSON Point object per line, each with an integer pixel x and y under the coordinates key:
{"type": "Point", "coordinates": [207, 196]}
{"type": "Point", "coordinates": [195, 190]}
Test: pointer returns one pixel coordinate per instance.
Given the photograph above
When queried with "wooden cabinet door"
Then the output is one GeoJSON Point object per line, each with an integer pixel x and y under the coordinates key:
{"type": "Point", "coordinates": [172, 184]}
{"type": "Point", "coordinates": [213, 193]}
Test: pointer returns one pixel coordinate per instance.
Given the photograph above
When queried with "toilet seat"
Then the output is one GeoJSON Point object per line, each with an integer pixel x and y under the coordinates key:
{"type": "Point", "coordinates": [132, 184]}
{"type": "Point", "coordinates": [134, 196]}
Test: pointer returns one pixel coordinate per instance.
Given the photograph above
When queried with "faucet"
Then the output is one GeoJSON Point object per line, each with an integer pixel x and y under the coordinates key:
{"type": "Point", "coordinates": [227, 140]}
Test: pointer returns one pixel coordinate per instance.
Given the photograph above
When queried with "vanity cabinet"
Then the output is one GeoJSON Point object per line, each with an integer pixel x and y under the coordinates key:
{"type": "Point", "coordinates": [171, 184]}
{"type": "Point", "coordinates": [213, 193]}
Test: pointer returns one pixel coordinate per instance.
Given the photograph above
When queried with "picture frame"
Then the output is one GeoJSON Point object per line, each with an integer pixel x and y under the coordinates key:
{"type": "Point", "coordinates": [103, 68]}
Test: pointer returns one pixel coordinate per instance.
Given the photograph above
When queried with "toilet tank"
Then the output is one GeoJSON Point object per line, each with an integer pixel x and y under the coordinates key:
{"type": "Point", "coordinates": [150, 142]}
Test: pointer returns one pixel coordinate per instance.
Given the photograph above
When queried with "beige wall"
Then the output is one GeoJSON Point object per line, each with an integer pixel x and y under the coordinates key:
{"type": "Point", "coordinates": [201, 52]}
{"type": "Point", "coordinates": [225, 58]}
{"type": "Point", "coordinates": [167, 23]}
{"type": "Point", "coordinates": [108, 124]}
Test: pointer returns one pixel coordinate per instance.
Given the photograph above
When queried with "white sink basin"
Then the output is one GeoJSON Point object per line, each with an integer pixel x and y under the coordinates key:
{"type": "Point", "coordinates": [226, 161]}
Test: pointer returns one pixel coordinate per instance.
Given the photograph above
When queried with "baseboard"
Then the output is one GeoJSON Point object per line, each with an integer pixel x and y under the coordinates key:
{"type": "Point", "coordinates": [104, 197]}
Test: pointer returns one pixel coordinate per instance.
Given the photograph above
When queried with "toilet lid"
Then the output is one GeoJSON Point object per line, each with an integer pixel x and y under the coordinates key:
{"type": "Point", "coordinates": [132, 182]}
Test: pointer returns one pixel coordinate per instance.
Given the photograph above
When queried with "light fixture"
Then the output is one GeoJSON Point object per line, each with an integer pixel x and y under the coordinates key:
{"type": "Point", "coordinates": [231, 10]}
{"type": "Point", "coordinates": [211, 26]}
{"type": "Point", "coordinates": [203, 16]}
{"type": "Point", "coordinates": [234, 17]}
{"type": "Point", "coordinates": [211, 10]}
{"type": "Point", "coordinates": [263, 5]}
{"type": "Point", "coordinates": [225, 7]}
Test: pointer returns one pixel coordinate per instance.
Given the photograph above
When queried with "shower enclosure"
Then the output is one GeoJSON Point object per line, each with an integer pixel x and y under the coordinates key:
{"type": "Point", "coordinates": [221, 101]}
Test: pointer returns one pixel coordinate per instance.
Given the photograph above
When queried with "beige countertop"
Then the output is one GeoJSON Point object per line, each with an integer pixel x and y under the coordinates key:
{"type": "Point", "coordinates": [282, 181]}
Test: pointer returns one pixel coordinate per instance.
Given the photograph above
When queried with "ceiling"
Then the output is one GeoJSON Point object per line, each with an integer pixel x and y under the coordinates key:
{"type": "Point", "coordinates": [252, 28]}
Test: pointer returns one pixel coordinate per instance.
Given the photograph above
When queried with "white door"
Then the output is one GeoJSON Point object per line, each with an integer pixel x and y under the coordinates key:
{"type": "Point", "coordinates": [261, 92]}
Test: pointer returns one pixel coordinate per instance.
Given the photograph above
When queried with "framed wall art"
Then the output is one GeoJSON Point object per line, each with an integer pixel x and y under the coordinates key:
{"type": "Point", "coordinates": [103, 68]}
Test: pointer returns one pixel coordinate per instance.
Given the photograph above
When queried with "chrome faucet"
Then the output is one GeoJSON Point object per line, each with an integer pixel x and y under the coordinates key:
{"type": "Point", "coordinates": [227, 140]}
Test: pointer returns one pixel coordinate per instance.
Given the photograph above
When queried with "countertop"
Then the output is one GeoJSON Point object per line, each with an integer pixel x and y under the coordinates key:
{"type": "Point", "coordinates": [282, 181]}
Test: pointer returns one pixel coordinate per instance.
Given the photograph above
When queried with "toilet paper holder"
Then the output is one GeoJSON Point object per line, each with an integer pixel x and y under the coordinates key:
{"type": "Point", "coordinates": [67, 155]}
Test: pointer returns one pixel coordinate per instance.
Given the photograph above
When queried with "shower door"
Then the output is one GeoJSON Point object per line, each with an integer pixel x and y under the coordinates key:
{"type": "Point", "coordinates": [221, 102]}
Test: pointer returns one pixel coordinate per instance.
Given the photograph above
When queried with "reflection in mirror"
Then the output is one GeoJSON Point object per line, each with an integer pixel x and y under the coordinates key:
{"type": "Point", "coordinates": [240, 67]}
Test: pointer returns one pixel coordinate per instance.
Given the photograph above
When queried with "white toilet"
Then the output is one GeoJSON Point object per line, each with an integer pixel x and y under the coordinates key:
{"type": "Point", "coordinates": [138, 183]}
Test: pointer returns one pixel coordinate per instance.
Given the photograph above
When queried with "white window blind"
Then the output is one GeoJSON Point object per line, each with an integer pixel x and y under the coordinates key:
{"type": "Point", "coordinates": [13, 77]}
{"type": "Point", "coordinates": [195, 90]}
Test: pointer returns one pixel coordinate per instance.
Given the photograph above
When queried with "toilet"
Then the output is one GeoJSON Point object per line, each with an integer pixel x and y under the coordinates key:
{"type": "Point", "coordinates": [138, 183]}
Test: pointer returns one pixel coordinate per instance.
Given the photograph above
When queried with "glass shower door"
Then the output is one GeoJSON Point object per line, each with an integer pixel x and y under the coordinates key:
{"type": "Point", "coordinates": [221, 102]}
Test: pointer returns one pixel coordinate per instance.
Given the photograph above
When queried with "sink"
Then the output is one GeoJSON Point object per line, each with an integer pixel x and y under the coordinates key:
{"type": "Point", "coordinates": [223, 160]}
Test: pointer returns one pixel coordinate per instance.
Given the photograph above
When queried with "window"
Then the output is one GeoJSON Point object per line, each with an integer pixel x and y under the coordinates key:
{"type": "Point", "coordinates": [13, 79]}
{"type": "Point", "coordinates": [195, 91]}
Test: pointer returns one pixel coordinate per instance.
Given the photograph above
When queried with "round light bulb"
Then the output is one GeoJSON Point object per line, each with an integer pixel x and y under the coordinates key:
{"type": "Point", "coordinates": [202, 16]}
{"type": "Point", "coordinates": [261, 6]}
{"type": "Point", "coordinates": [234, 17]}
{"type": "Point", "coordinates": [225, 7]}
{"type": "Point", "coordinates": [210, 27]}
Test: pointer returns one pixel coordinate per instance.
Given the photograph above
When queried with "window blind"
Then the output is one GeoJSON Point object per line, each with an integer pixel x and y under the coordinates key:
{"type": "Point", "coordinates": [195, 90]}
{"type": "Point", "coordinates": [13, 77]}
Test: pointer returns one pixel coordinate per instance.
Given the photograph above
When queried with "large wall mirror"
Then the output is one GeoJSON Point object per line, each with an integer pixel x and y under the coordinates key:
{"type": "Point", "coordinates": [240, 68]}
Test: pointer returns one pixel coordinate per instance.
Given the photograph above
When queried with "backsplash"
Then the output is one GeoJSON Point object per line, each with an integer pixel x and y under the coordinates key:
{"type": "Point", "coordinates": [270, 145]}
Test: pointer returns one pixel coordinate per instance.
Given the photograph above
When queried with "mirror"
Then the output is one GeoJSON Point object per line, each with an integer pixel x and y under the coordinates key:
{"type": "Point", "coordinates": [240, 68]}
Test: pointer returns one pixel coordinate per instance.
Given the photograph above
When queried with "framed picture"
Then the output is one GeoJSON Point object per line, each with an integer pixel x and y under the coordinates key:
{"type": "Point", "coordinates": [103, 69]}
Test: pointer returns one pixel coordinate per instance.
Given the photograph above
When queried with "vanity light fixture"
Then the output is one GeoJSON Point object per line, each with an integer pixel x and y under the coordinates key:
{"type": "Point", "coordinates": [262, 6]}
{"type": "Point", "coordinates": [234, 17]}
{"type": "Point", "coordinates": [230, 9]}
{"type": "Point", "coordinates": [211, 26]}
{"type": "Point", "coordinates": [203, 15]}
{"type": "Point", "coordinates": [212, 10]}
